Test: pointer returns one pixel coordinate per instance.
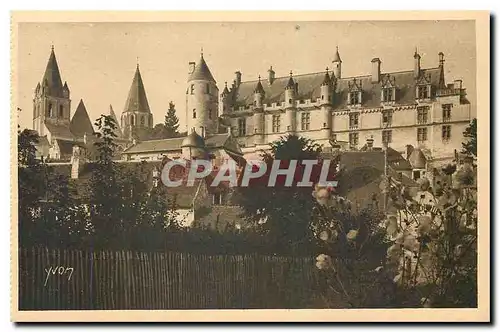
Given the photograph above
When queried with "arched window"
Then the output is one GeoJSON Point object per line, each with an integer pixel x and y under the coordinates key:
{"type": "Point", "coordinates": [132, 120]}
{"type": "Point", "coordinates": [143, 120]}
{"type": "Point", "coordinates": [192, 89]}
{"type": "Point", "coordinates": [61, 111]}
{"type": "Point", "coordinates": [290, 101]}
{"type": "Point", "coordinates": [194, 113]}
{"type": "Point", "coordinates": [208, 89]}
{"type": "Point", "coordinates": [210, 114]}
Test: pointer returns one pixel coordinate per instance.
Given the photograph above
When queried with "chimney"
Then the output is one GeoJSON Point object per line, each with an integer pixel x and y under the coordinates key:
{"type": "Point", "coordinates": [238, 78]}
{"type": "Point", "coordinates": [409, 150]}
{"type": "Point", "coordinates": [457, 84]}
{"type": "Point", "coordinates": [375, 70]}
{"type": "Point", "coordinates": [271, 75]}
{"type": "Point", "coordinates": [416, 68]}
{"type": "Point", "coordinates": [369, 143]}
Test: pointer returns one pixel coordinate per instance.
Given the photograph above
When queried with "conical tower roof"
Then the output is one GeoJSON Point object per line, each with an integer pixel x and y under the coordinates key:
{"type": "Point", "coordinates": [336, 57]}
{"type": "Point", "coordinates": [326, 80]}
{"type": "Point", "coordinates": [201, 71]}
{"type": "Point", "coordinates": [137, 100]}
{"type": "Point", "coordinates": [52, 76]}
{"type": "Point", "coordinates": [117, 131]}
{"type": "Point", "coordinates": [291, 83]}
{"type": "Point", "coordinates": [80, 123]}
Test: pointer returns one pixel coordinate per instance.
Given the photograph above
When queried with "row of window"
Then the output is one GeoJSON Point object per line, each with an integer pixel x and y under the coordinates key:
{"type": "Point", "coordinates": [422, 116]}
{"type": "Point", "coordinates": [207, 89]}
{"type": "Point", "coordinates": [387, 135]}
{"type": "Point", "coordinates": [305, 119]}
{"type": "Point", "coordinates": [143, 120]}
{"type": "Point", "coordinates": [210, 114]}
{"type": "Point", "coordinates": [49, 112]}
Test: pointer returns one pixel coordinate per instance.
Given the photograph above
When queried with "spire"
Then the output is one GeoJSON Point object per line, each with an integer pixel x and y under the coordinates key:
{"type": "Point", "coordinates": [291, 83]}
{"type": "Point", "coordinates": [201, 71]}
{"type": "Point", "coordinates": [225, 92]}
{"type": "Point", "coordinates": [336, 57]}
{"type": "Point", "coordinates": [259, 88]}
{"type": "Point", "coordinates": [80, 123]}
{"type": "Point", "coordinates": [137, 100]}
{"type": "Point", "coordinates": [52, 76]}
{"type": "Point", "coordinates": [326, 80]}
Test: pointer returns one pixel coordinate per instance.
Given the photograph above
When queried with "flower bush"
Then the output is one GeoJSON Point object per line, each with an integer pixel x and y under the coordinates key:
{"type": "Point", "coordinates": [428, 236]}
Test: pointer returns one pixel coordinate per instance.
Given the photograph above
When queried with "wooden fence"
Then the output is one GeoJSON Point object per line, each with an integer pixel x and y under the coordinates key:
{"type": "Point", "coordinates": [78, 280]}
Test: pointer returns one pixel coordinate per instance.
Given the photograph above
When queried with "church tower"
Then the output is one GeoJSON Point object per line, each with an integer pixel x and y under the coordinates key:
{"type": "Point", "coordinates": [51, 101]}
{"type": "Point", "coordinates": [202, 99]}
{"type": "Point", "coordinates": [136, 115]}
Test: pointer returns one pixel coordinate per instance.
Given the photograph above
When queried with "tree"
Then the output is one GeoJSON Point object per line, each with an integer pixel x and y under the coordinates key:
{"type": "Point", "coordinates": [470, 146]}
{"type": "Point", "coordinates": [105, 199]}
{"type": "Point", "coordinates": [171, 122]}
{"type": "Point", "coordinates": [285, 210]}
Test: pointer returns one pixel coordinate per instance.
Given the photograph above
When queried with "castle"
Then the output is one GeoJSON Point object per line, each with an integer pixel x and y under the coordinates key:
{"type": "Point", "coordinates": [414, 112]}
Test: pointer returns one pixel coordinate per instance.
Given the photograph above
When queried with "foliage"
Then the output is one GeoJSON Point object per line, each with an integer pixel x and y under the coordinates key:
{"type": "Point", "coordinates": [171, 122]}
{"type": "Point", "coordinates": [282, 212]}
{"type": "Point", "coordinates": [431, 240]}
{"type": "Point", "coordinates": [470, 146]}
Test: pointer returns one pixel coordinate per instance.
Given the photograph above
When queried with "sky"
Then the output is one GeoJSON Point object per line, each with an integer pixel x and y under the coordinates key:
{"type": "Point", "coordinates": [98, 60]}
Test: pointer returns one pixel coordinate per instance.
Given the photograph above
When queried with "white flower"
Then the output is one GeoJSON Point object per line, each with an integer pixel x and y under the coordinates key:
{"type": "Point", "coordinates": [328, 236]}
{"type": "Point", "coordinates": [351, 236]}
{"type": "Point", "coordinates": [322, 195]}
{"type": "Point", "coordinates": [324, 262]}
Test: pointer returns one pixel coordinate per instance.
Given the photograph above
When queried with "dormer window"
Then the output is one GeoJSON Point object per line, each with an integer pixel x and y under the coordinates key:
{"type": "Point", "coordinates": [423, 89]}
{"type": "Point", "coordinates": [388, 92]}
{"type": "Point", "coordinates": [355, 92]}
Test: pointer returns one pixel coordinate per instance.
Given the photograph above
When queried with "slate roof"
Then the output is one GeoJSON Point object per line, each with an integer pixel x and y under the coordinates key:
{"type": "Point", "coordinates": [80, 122]}
{"type": "Point", "coordinates": [137, 100]}
{"type": "Point", "coordinates": [417, 159]}
{"type": "Point", "coordinates": [201, 71]}
{"type": "Point", "coordinates": [309, 87]}
{"type": "Point", "coordinates": [159, 145]}
{"type": "Point", "coordinates": [58, 130]}
{"type": "Point", "coordinates": [52, 76]}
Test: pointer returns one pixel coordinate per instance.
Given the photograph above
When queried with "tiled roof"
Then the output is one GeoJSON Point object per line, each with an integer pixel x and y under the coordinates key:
{"type": "Point", "coordinates": [58, 130]}
{"type": "Point", "coordinates": [167, 144]}
{"type": "Point", "coordinates": [137, 100]}
{"type": "Point", "coordinates": [201, 71]}
{"type": "Point", "coordinates": [309, 87]}
{"type": "Point", "coordinates": [52, 76]}
{"type": "Point", "coordinates": [80, 123]}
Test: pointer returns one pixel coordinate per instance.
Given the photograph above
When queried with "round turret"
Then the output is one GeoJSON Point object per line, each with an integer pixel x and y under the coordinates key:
{"type": "Point", "coordinates": [193, 146]}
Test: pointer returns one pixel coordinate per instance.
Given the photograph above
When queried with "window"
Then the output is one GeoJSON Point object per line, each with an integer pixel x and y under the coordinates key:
{"type": "Point", "coordinates": [305, 119]}
{"type": "Point", "coordinates": [192, 89]}
{"type": "Point", "coordinates": [422, 92]}
{"type": "Point", "coordinates": [446, 111]}
{"type": "Point", "coordinates": [207, 89]}
{"type": "Point", "coordinates": [49, 110]}
{"type": "Point", "coordinates": [354, 98]}
{"type": "Point", "coordinates": [290, 101]}
{"type": "Point", "coordinates": [353, 139]}
{"type": "Point", "coordinates": [353, 120]}
{"type": "Point", "coordinates": [416, 175]}
{"type": "Point", "coordinates": [276, 123]}
{"type": "Point", "coordinates": [387, 118]}
{"type": "Point", "coordinates": [217, 199]}
{"type": "Point", "coordinates": [61, 111]}
{"type": "Point", "coordinates": [242, 127]}
{"type": "Point", "coordinates": [446, 133]}
{"type": "Point", "coordinates": [142, 120]}
{"type": "Point", "coordinates": [387, 136]}
{"type": "Point", "coordinates": [422, 114]}
{"type": "Point", "coordinates": [194, 113]}
{"type": "Point", "coordinates": [210, 114]}
{"type": "Point", "coordinates": [387, 94]}
{"type": "Point", "coordinates": [421, 134]}
{"type": "Point", "coordinates": [132, 120]}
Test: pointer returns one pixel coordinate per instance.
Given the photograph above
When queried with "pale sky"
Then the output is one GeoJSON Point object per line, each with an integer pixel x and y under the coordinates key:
{"type": "Point", "coordinates": [98, 60]}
